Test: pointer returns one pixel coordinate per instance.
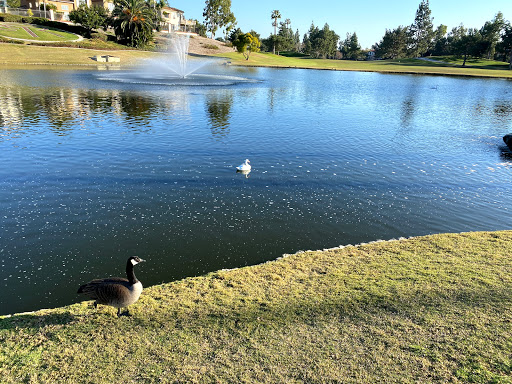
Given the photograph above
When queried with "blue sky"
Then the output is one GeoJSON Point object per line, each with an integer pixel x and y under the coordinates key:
{"type": "Point", "coordinates": [368, 18]}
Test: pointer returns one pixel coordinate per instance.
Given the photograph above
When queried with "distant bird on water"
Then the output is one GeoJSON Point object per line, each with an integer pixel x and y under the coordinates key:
{"type": "Point", "coordinates": [245, 166]}
{"type": "Point", "coordinates": [115, 291]}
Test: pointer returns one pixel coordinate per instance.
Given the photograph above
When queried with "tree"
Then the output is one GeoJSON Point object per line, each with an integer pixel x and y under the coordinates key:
{"type": "Point", "coordinates": [440, 42]}
{"type": "Point", "coordinates": [296, 41]}
{"type": "Point", "coordinates": [422, 30]}
{"type": "Point", "coordinates": [233, 35]}
{"type": "Point", "coordinates": [217, 14]}
{"type": "Point", "coordinates": [466, 42]}
{"type": "Point", "coordinates": [255, 34]}
{"type": "Point", "coordinates": [133, 22]}
{"type": "Point", "coordinates": [350, 47]}
{"type": "Point", "coordinates": [90, 17]}
{"type": "Point", "coordinates": [491, 33]}
{"type": "Point", "coordinates": [246, 43]}
{"type": "Point", "coordinates": [275, 16]}
{"type": "Point", "coordinates": [285, 37]}
{"type": "Point", "coordinates": [321, 42]}
{"type": "Point", "coordinates": [506, 42]}
{"type": "Point", "coordinates": [156, 7]}
{"type": "Point", "coordinates": [47, 7]}
{"type": "Point", "coordinates": [200, 29]}
{"type": "Point", "coordinates": [393, 45]}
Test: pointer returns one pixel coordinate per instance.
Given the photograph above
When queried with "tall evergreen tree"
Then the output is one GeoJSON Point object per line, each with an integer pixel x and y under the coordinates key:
{"type": "Point", "coordinates": [296, 41]}
{"type": "Point", "coordinates": [421, 32]}
{"type": "Point", "coordinates": [393, 44]}
{"type": "Point", "coordinates": [491, 33]}
{"type": "Point", "coordinates": [506, 42]}
{"type": "Point", "coordinates": [350, 47]}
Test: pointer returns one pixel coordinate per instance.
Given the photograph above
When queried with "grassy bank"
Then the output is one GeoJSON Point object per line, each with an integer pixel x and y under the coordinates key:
{"type": "Point", "coordinates": [428, 309]}
{"type": "Point", "coordinates": [445, 67]}
{"type": "Point", "coordinates": [26, 55]}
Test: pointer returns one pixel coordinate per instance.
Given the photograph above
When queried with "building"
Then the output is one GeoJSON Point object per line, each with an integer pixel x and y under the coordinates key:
{"type": "Point", "coordinates": [173, 20]}
{"type": "Point", "coordinates": [107, 4]}
{"type": "Point", "coordinates": [62, 7]}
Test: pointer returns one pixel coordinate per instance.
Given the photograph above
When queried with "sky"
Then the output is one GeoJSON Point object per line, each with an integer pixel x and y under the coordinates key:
{"type": "Point", "coordinates": [367, 18]}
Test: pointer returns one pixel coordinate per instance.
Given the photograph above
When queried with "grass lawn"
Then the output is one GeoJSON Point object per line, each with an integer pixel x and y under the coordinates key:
{"type": "Point", "coordinates": [497, 69]}
{"type": "Point", "coordinates": [17, 55]}
{"type": "Point", "coordinates": [474, 62]}
{"type": "Point", "coordinates": [18, 31]}
{"type": "Point", "coordinates": [428, 309]}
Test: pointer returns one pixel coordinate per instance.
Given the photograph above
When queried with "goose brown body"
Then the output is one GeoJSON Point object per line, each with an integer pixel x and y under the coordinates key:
{"type": "Point", "coordinates": [117, 292]}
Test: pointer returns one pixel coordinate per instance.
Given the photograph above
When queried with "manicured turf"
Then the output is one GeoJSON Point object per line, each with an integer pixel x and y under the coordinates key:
{"type": "Point", "coordinates": [23, 55]}
{"type": "Point", "coordinates": [434, 309]}
{"type": "Point", "coordinates": [21, 31]}
{"type": "Point", "coordinates": [498, 69]}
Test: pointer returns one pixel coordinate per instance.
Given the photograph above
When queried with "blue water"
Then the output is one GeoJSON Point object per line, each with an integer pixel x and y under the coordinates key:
{"type": "Point", "coordinates": [95, 169]}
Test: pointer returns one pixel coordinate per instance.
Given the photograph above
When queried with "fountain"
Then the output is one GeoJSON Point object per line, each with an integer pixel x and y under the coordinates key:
{"type": "Point", "coordinates": [176, 68]}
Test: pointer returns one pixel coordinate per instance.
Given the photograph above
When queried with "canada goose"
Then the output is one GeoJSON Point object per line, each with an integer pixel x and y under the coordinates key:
{"type": "Point", "coordinates": [115, 291]}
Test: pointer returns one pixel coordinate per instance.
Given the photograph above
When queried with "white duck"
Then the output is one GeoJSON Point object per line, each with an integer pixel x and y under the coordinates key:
{"type": "Point", "coordinates": [244, 167]}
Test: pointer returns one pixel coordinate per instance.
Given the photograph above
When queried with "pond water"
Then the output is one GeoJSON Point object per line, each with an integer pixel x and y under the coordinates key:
{"type": "Point", "coordinates": [97, 166]}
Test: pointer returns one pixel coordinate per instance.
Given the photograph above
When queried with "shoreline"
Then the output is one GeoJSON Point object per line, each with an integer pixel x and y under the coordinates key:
{"type": "Point", "coordinates": [282, 257]}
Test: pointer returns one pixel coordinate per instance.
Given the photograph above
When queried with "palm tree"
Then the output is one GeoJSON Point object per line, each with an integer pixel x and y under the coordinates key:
{"type": "Point", "coordinates": [275, 15]}
{"type": "Point", "coordinates": [133, 22]}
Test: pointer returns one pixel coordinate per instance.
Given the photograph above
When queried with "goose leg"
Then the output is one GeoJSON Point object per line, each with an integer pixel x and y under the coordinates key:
{"type": "Point", "coordinates": [125, 313]}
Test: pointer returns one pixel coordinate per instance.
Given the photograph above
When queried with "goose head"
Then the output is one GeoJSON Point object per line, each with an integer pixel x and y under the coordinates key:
{"type": "Point", "coordinates": [135, 260]}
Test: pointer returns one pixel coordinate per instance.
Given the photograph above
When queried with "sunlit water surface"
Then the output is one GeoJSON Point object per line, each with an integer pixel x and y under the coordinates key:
{"type": "Point", "coordinates": [97, 166]}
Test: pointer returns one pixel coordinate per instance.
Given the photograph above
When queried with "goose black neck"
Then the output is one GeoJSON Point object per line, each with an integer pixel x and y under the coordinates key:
{"type": "Point", "coordinates": [129, 273]}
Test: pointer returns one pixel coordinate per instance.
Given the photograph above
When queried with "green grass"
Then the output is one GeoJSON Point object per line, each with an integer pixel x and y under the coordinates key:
{"type": "Point", "coordinates": [427, 309]}
{"type": "Point", "coordinates": [413, 66]}
{"type": "Point", "coordinates": [15, 30]}
{"type": "Point", "coordinates": [19, 55]}
{"type": "Point", "coordinates": [474, 62]}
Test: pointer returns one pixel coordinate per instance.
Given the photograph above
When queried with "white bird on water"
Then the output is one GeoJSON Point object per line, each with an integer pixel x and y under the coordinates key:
{"type": "Point", "coordinates": [245, 166]}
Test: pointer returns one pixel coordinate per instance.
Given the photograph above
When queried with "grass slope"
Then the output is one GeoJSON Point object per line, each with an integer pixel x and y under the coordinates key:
{"type": "Point", "coordinates": [427, 309]}
{"type": "Point", "coordinates": [19, 31]}
{"type": "Point", "coordinates": [446, 67]}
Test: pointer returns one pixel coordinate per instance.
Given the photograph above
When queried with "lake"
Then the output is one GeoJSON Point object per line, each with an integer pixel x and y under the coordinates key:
{"type": "Point", "coordinates": [98, 166]}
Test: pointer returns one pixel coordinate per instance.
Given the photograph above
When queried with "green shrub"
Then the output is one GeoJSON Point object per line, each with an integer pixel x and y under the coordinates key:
{"type": "Point", "coordinates": [10, 18]}
{"type": "Point", "coordinates": [210, 46]}
{"type": "Point", "coordinates": [59, 25]}
{"type": "Point", "coordinates": [27, 19]}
